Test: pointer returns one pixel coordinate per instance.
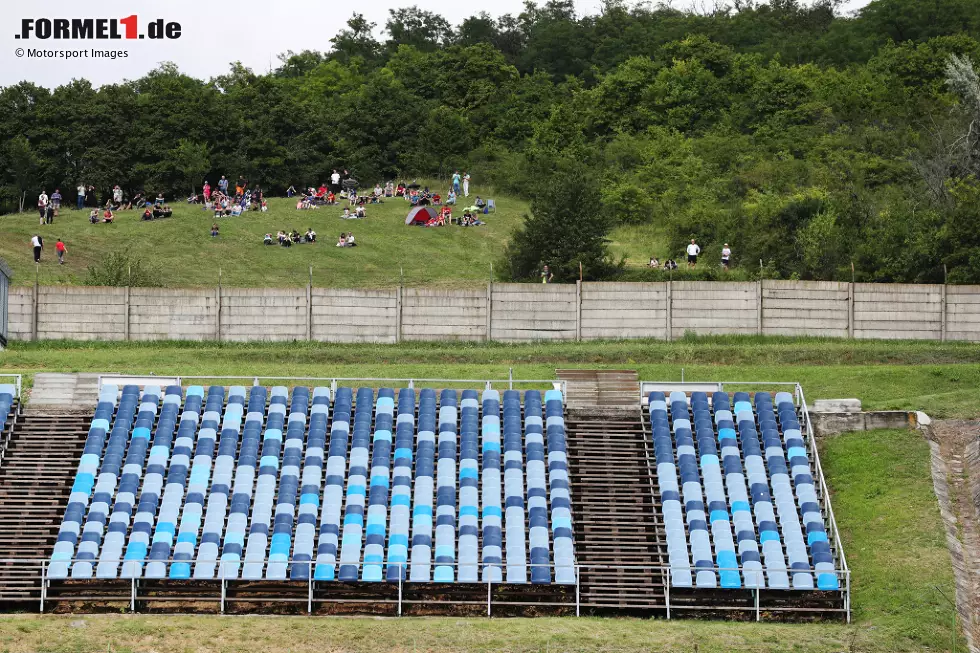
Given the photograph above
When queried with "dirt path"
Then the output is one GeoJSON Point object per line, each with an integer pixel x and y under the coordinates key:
{"type": "Point", "coordinates": [955, 449]}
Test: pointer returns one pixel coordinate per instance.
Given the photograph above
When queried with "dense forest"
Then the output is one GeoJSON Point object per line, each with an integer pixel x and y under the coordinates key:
{"type": "Point", "coordinates": [809, 140]}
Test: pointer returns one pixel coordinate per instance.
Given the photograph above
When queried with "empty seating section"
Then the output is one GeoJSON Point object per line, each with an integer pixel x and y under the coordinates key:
{"type": "Point", "coordinates": [333, 488]}
{"type": "Point", "coordinates": [422, 498]}
{"type": "Point", "coordinates": [265, 487]}
{"type": "Point", "coordinates": [492, 534]}
{"type": "Point", "coordinates": [514, 529]}
{"type": "Point", "coordinates": [247, 484]}
{"type": "Point", "coordinates": [142, 539]}
{"type": "Point", "coordinates": [469, 497]}
{"type": "Point", "coordinates": [401, 487]}
{"type": "Point", "coordinates": [309, 499]}
{"type": "Point", "coordinates": [88, 466]}
{"type": "Point", "coordinates": [759, 500]}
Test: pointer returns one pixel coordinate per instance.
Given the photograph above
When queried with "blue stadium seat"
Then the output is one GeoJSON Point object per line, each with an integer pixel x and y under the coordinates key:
{"type": "Point", "coordinates": [561, 508]}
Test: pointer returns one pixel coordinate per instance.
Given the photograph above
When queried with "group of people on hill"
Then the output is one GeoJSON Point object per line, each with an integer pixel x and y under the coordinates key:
{"type": "Point", "coordinates": [290, 238]}
{"type": "Point", "coordinates": [225, 204]}
{"type": "Point", "coordinates": [693, 251]}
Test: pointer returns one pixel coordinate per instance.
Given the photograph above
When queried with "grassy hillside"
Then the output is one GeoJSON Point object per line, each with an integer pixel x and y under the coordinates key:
{"type": "Point", "coordinates": [181, 252]}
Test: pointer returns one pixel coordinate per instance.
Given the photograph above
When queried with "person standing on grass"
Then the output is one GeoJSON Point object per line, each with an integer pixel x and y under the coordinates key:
{"type": "Point", "coordinates": [56, 200]}
{"type": "Point", "coordinates": [61, 249]}
{"type": "Point", "coordinates": [42, 204]}
{"type": "Point", "coordinates": [547, 276]}
{"type": "Point", "coordinates": [726, 256]}
{"type": "Point", "coordinates": [223, 185]}
{"type": "Point", "coordinates": [81, 196]}
{"type": "Point", "coordinates": [38, 245]}
{"type": "Point", "coordinates": [456, 182]}
{"type": "Point", "coordinates": [207, 192]}
{"type": "Point", "coordinates": [692, 254]}
{"type": "Point", "coordinates": [466, 184]}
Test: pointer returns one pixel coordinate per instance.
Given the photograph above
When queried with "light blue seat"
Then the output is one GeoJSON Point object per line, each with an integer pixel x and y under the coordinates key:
{"type": "Point", "coordinates": [333, 488]}
{"type": "Point", "coordinates": [491, 488]}
{"type": "Point", "coordinates": [380, 482]}
{"type": "Point", "coordinates": [309, 500]}
{"type": "Point", "coordinates": [469, 481]}
{"type": "Point", "coordinates": [561, 508]}
{"type": "Point", "coordinates": [401, 488]}
{"type": "Point", "coordinates": [354, 508]}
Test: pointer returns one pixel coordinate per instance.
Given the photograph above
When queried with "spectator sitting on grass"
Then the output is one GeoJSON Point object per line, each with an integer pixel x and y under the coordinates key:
{"type": "Point", "coordinates": [654, 263]}
{"type": "Point", "coordinates": [670, 264]}
{"type": "Point", "coordinates": [280, 236]}
{"type": "Point", "coordinates": [360, 212]}
{"type": "Point", "coordinates": [214, 229]}
{"type": "Point", "coordinates": [267, 240]}
{"type": "Point", "coordinates": [159, 200]}
{"type": "Point", "coordinates": [479, 202]}
{"type": "Point", "coordinates": [148, 214]}
{"type": "Point", "coordinates": [93, 217]}
{"type": "Point", "coordinates": [350, 240]}
{"type": "Point", "coordinates": [342, 241]}
{"type": "Point", "coordinates": [295, 237]}
{"type": "Point", "coordinates": [347, 214]}
{"type": "Point", "coordinates": [108, 217]}
{"type": "Point", "coordinates": [236, 210]}
{"type": "Point", "coordinates": [310, 235]}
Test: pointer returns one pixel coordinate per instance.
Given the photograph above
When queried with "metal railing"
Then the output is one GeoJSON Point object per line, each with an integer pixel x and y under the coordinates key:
{"type": "Point", "coordinates": [41, 566]}
{"type": "Point", "coordinates": [16, 379]}
{"type": "Point", "coordinates": [409, 382]}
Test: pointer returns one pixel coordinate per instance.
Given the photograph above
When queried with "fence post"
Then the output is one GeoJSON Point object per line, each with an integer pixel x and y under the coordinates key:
{"type": "Point", "coordinates": [309, 591]}
{"type": "Point", "coordinates": [217, 315]}
{"type": "Point", "coordinates": [489, 310]}
{"type": "Point", "coordinates": [577, 600]}
{"type": "Point", "coordinates": [126, 331]}
{"type": "Point", "coordinates": [44, 583]}
{"type": "Point", "coordinates": [401, 572]}
{"type": "Point", "coordinates": [132, 595]}
{"type": "Point", "coordinates": [489, 584]}
{"type": "Point", "coordinates": [578, 310]}
{"type": "Point", "coordinates": [223, 582]}
{"type": "Point", "coordinates": [942, 305]}
{"type": "Point", "coordinates": [670, 303]}
{"type": "Point", "coordinates": [758, 617]}
{"type": "Point", "coordinates": [35, 300]}
{"type": "Point", "coordinates": [309, 306]}
{"type": "Point", "coordinates": [398, 314]}
{"type": "Point", "coordinates": [759, 305]}
{"type": "Point", "coordinates": [850, 310]}
{"type": "Point", "coordinates": [667, 593]}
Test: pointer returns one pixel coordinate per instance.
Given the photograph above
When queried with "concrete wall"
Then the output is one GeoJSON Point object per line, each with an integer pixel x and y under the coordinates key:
{"type": "Point", "coordinates": [340, 315]}
{"type": "Point", "coordinates": [507, 312]}
{"type": "Point", "coordinates": [805, 308]}
{"type": "Point", "coordinates": [624, 310]}
{"type": "Point", "coordinates": [898, 311]}
{"type": "Point", "coordinates": [963, 313]}
{"type": "Point", "coordinates": [533, 312]}
{"type": "Point", "coordinates": [444, 314]}
{"type": "Point", "coordinates": [714, 308]}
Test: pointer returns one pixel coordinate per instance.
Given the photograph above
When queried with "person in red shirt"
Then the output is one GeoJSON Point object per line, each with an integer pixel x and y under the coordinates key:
{"type": "Point", "coordinates": [61, 249]}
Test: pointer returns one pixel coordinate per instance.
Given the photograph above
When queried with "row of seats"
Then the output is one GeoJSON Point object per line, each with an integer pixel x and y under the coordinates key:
{"type": "Point", "coordinates": [8, 393]}
{"type": "Point", "coordinates": [700, 519]}
{"type": "Point", "coordinates": [205, 506]}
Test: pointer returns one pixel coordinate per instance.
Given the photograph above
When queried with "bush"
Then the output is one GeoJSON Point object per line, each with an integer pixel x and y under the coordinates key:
{"type": "Point", "coordinates": [121, 269]}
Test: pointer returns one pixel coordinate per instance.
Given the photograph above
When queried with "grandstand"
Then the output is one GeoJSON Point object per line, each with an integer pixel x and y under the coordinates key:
{"type": "Point", "coordinates": [426, 496]}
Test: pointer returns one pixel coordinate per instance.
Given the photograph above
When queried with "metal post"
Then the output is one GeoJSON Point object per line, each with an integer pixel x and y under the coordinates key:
{"type": "Point", "coordinates": [847, 598]}
{"type": "Point", "coordinates": [223, 582]}
{"type": "Point", "coordinates": [577, 602]}
{"type": "Point", "coordinates": [488, 596]}
{"type": "Point", "coordinates": [667, 597]}
{"type": "Point", "coordinates": [309, 592]}
{"type": "Point", "coordinates": [401, 571]}
{"type": "Point", "coordinates": [44, 583]}
{"type": "Point", "coordinates": [132, 595]}
{"type": "Point", "coordinates": [757, 615]}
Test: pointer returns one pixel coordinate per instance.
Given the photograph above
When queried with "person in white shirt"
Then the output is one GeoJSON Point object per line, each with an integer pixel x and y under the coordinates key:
{"type": "Point", "coordinates": [726, 256]}
{"type": "Point", "coordinates": [335, 181]}
{"type": "Point", "coordinates": [81, 196]}
{"type": "Point", "coordinates": [466, 184]}
{"type": "Point", "coordinates": [38, 245]}
{"type": "Point", "coordinates": [692, 254]}
{"type": "Point", "coordinates": [42, 204]}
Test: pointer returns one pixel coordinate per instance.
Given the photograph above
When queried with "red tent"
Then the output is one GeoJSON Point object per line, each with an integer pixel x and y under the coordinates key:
{"type": "Point", "coordinates": [421, 215]}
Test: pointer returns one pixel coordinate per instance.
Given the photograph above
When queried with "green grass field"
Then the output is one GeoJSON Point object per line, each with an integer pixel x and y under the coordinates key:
{"type": "Point", "coordinates": [181, 253]}
{"type": "Point", "coordinates": [882, 494]}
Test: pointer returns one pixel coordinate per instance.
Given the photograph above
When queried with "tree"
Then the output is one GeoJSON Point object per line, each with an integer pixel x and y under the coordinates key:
{"type": "Point", "coordinates": [416, 27]}
{"type": "Point", "coordinates": [192, 160]}
{"type": "Point", "coordinates": [357, 41]}
{"type": "Point", "coordinates": [566, 227]}
{"type": "Point", "coordinates": [22, 167]}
